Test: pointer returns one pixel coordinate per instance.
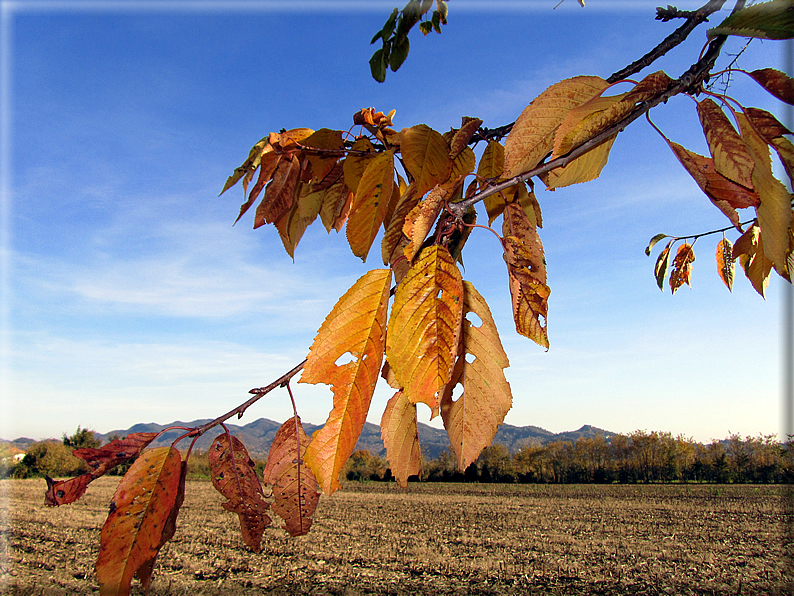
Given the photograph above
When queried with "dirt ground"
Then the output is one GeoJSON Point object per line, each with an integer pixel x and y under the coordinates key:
{"type": "Point", "coordinates": [375, 538]}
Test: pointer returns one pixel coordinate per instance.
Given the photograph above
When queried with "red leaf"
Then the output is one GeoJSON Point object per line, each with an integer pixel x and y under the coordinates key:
{"type": "Point", "coordinates": [234, 477]}
{"type": "Point", "coordinates": [295, 495]}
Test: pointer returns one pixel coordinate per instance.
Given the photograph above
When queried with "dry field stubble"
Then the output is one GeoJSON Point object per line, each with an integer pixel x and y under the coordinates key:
{"type": "Point", "coordinates": [431, 539]}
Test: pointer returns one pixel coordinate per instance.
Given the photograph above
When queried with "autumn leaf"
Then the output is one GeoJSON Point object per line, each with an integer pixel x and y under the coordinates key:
{"type": "Point", "coordinates": [399, 431]}
{"type": "Point", "coordinates": [295, 495]}
{"type": "Point", "coordinates": [649, 87]}
{"type": "Point", "coordinates": [370, 203]}
{"type": "Point", "coordinates": [246, 170]}
{"type": "Point", "coordinates": [292, 224]}
{"type": "Point", "coordinates": [463, 135]}
{"type": "Point", "coordinates": [776, 83]}
{"type": "Point", "coordinates": [267, 167]}
{"type": "Point", "coordinates": [424, 326]}
{"type": "Point", "coordinates": [354, 329]}
{"type": "Point", "coordinates": [587, 121]}
{"type": "Point", "coordinates": [233, 475]}
{"type": "Point", "coordinates": [419, 221]}
{"type": "Point", "coordinates": [774, 210]}
{"type": "Point", "coordinates": [101, 461]}
{"type": "Point", "coordinates": [749, 250]}
{"type": "Point", "coordinates": [726, 266]}
{"type": "Point", "coordinates": [393, 238]}
{"type": "Point", "coordinates": [472, 420]}
{"type": "Point", "coordinates": [280, 192]}
{"type": "Point", "coordinates": [337, 200]}
{"type": "Point", "coordinates": [324, 139]}
{"type": "Point", "coordinates": [584, 168]}
{"type": "Point", "coordinates": [731, 158]}
{"type": "Point", "coordinates": [532, 136]}
{"type": "Point", "coordinates": [662, 265]}
{"type": "Point", "coordinates": [141, 506]}
{"type": "Point", "coordinates": [653, 242]}
{"type": "Point", "coordinates": [526, 268]}
{"type": "Point", "coordinates": [491, 166]}
{"type": "Point", "coordinates": [682, 267]}
{"type": "Point", "coordinates": [426, 156]}
{"type": "Point", "coordinates": [355, 163]}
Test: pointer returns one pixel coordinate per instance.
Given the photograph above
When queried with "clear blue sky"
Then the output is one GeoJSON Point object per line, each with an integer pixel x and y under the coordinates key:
{"type": "Point", "coordinates": [130, 297]}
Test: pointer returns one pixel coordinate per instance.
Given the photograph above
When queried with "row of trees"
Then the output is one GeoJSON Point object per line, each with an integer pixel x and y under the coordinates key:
{"type": "Point", "coordinates": [637, 457]}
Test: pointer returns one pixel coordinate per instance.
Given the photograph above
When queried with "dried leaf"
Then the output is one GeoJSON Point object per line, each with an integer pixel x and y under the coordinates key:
{"type": "Point", "coordinates": [295, 495]}
{"type": "Point", "coordinates": [370, 203]}
{"type": "Point", "coordinates": [391, 246]}
{"type": "Point", "coordinates": [682, 267]}
{"type": "Point", "coordinates": [731, 158]}
{"type": "Point", "coordinates": [400, 435]}
{"type": "Point", "coordinates": [142, 504]}
{"type": "Point", "coordinates": [354, 328]}
{"type": "Point", "coordinates": [766, 124]}
{"type": "Point", "coordinates": [463, 135]}
{"type": "Point", "coordinates": [426, 156]}
{"type": "Point", "coordinates": [326, 139]}
{"type": "Point", "coordinates": [100, 461]}
{"type": "Point", "coordinates": [726, 266]}
{"type": "Point", "coordinates": [267, 167]}
{"type": "Point", "coordinates": [292, 224]}
{"type": "Point", "coordinates": [280, 193]}
{"type": "Point", "coordinates": [532, 136]}
{"type": "Point", "coordinates": [662, 266]}
{"type": "Point", "coordinates": [473, 419]}
{"type": "Point", "coordinates": [424, 326]}
{"type": "Point", "coordinates": [526, 268]}
{"type": "Point", "coordinates": [649, 87]}
{"type": "Point", "coordinates": [233, 475]}
{"type": "Point", "coordinates": [248, 167]}
{"type": "Point", "coordinates": [421, 218]}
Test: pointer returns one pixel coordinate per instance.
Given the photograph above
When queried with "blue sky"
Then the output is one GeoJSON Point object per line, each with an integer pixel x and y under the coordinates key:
{"type": "Point", "coordinates": [130, 297]}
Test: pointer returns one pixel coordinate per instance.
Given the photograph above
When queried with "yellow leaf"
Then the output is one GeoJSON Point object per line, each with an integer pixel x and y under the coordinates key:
{"type": "Point", "coordinates": [324, 138]}
{"type": "Point", "coordinates": [336, 204]}
{"type": "Point", "coordinates": [588, 120]}
{"type": "Point", "coordinates": [731, 158]}
{"type": "Point", "coordinates": [426, 156]}
{"type": "Point", "coordinates": [421, 218]}
{"type": "Point", "coordinates": [473, 419]}
{"type": "Point", "coordinates": [749, 249]}
{"type": "Point", "coordinates": [463, 135]}
{"type": "Point", "coordinates": [354, 165]}
{"type": "Point", "coordinates": [774, 212]}
{"type": "Point", "coordinates": [526, 269]}
{"type": "Point", "coordinates": [424, 326]}
{"type": "Point", "coordinates": [584, 168]}
{"type": "Point", "coordinates": [393, 236]}
{"type": "Point", "coordinates": [293, 224]}
{"type": "Point", "coordinates": [532, 136]}
{"type": "Point", "coordinates": [354, 329]}
{"type": "Point", "coordinates": [370, 203]}
{"type": "Point", "coordinates": [399, 431]}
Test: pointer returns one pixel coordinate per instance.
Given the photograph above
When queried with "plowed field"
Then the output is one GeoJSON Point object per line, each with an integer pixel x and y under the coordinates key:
{"type": "Point", "coordinates": [429, 539]}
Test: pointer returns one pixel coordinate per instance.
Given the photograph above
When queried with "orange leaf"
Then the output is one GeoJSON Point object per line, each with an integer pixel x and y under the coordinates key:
{"type": "Point", "coordinates": [233, 475]}
{"type": "Point", "coordinates": [426, 156]}
{"type": "Point", "coordinates": [726, 266]}
{"type": "Point", "coordinates": [662, 265]}
{"type": "Point", "coordinates": [139, 511]}
{"type": "Point", "coordinates": [775, 82]}
{"type": "Point", "coordinates": [280, 193]}
{"type": "Point", "coordinates": [295, 495]}
{"type": "Point", "coordinates": [463, 135]}
{"type": "Point", "coordinates": [424, 326]}
{"type": "Point", "coordinates": [749, 249]}
{"type": "Point", "coordinates": [682, 267]}
{"type": "Point", "coordinates": [648, 87]}
{"type": "Point", "coordinates": [370, 203]}
{"type": "Point", "coordinates": [354, 329]}
{"type": "Point", "coordinates": [292, 224]}
{"type": "Point", "coordinates": [473, 419]}
{"type": "Point", "coordinates": [400, 435]}
{"type": "Point", "coordinates": [325, 138]}
{"type": "Point", "coordinates": [588, 120]}
{"type": "Point", "coordinates": [100, 461]}
{"type": "Point", "coordinates": [766, 124]}
{"type": "Point", "coordinates": [526, 269]}
{"type": "Point", "coordinates": [268, 165]}
{"type": "Point", "coordinates": [354, 165]}
{"type": "Point", "coordinates": [731, 158]}
{"type": "Point", "coordinates": [532, 136]}
{"type": "Point", "coordinates": [394, 230]}
{"type": "Point", "coordinates": [421, 218]}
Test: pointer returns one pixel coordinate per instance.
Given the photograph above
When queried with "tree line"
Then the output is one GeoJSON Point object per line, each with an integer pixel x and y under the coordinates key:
{"type": "Point", "coordinates": [638, 457]}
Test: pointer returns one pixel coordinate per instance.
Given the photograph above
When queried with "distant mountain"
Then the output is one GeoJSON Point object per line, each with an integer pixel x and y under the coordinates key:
{"type": "Point", "coordinates": [258, 435]}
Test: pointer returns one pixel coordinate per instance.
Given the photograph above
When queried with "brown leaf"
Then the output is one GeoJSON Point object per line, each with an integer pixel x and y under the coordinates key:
{"type": "Point", "coordinates": [233, 475]}
{"type": "Point", "coordinates": [426, 156]}
{"type": "Point", "coordinates": [295, 495]}
{"type": "Point", "coordinates": [421, 218]}
{"type": "Point", "coordinates": [731, 158]}
{"type": "Point", "coordinates": [424, 326]}
{"type": "Point", "coordinates": [323, 139]}
{"type": "Point", "coordinates": [355, 329]}
{"type": "Point", "coordinates": [463, 135]}
{"type": "Point", "coordinates": [473, 419]}
{"type": "Point", "coordinates": [775, 82]}
{"type": "Point", "coordinates": [726, 266]}
{"type": "Point", "coordinates": [491, 166]}
{"type": "Point", "coordinates": [649, 87]}
{"type": "Point", "coordinates": [100, 461]}
{"type": "Point", "coordinates": [682, 267]}
{"type": "Point", "coordinates": [399, 431]}
{"type": "Point", "coordinates": [267, 167]}
{"type": "Point", "coordinates": [142, 504]}
{"type": "Point", "coordinates": [766, 124]}
{"type": "Point", "coordinates": [280, 193]}
{"type": "Point", "coordinates": [392, 243]}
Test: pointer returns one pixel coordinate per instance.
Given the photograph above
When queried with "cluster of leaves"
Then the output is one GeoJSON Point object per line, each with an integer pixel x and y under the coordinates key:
{"type": "Point", "coordinates": [394, 34]}
{"type": "Point", "coordinates": [432, 331]}
{"type": "Point", "coordinates": [738, 175]}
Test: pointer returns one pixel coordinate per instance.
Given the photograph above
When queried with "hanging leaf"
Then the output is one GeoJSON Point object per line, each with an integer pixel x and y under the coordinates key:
{"type": "Point", "coordinates": [295, 495]}
{"type": "Point", "coordinates": [101, 461]}
{"type": "Point", "coordinates": [426, 156]}
{"type": "Point", "coordinates": [653, 242]}
{"type": "Point", "coordinates": [764, 20]}
{"type": "Point", "coordinates": [355, 164]}
{"type": "Point", "coordinates": [726, 266]}
{"type": "Point", "coordinates": [354, 329]}
{"type": "Point", "coordinates": [766, 124]}
{"type": "Point", "coordinates": [399, 431]}
{"type": "Point", "coordinates": [292, 224]}
{"type": "Point", "coordinates": [421, 218]}
{"type": "Point", "coordinates": [280, 193]}
{"type": "Point", "coordinates": [774, 210]}
{"type": "Point", "coordinates": [424, 326]}
{"type": "Point", "coordinates": [463, 135]}
{"type": "Point", "coordinates": [370, 203]}
{"type": "Point", "coordinates": [141, 506]}
{"type": "Point", "coordinates": [526, 268]}
{"type": "Point", "coordinates": [491, 166]}
{"type": "Point", "coordinates": [393, 238]}
{"type": "Point", "coordinates": [532, 136]}
{"type": "Point", "coordinates": [324, 139]}
{"type": "Point", "coordinates": [584, 168]}
{"type": "Point", "coordinates": [473, 419]}
{"type": "Point", "coordinates": [749, 249]}
{"type": "Point", "coordinates": [233, 475]}
{"type": "Point", "coordinates": [731, 158]}
{"type": "Point", "coordinates": [682, 267]}
{"type": "Point", "coordinates": [267, 167]}
{"type": "Point", "coordinates": [662, 265]}
{"type": "Point", "coordinates": [248, 167]}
